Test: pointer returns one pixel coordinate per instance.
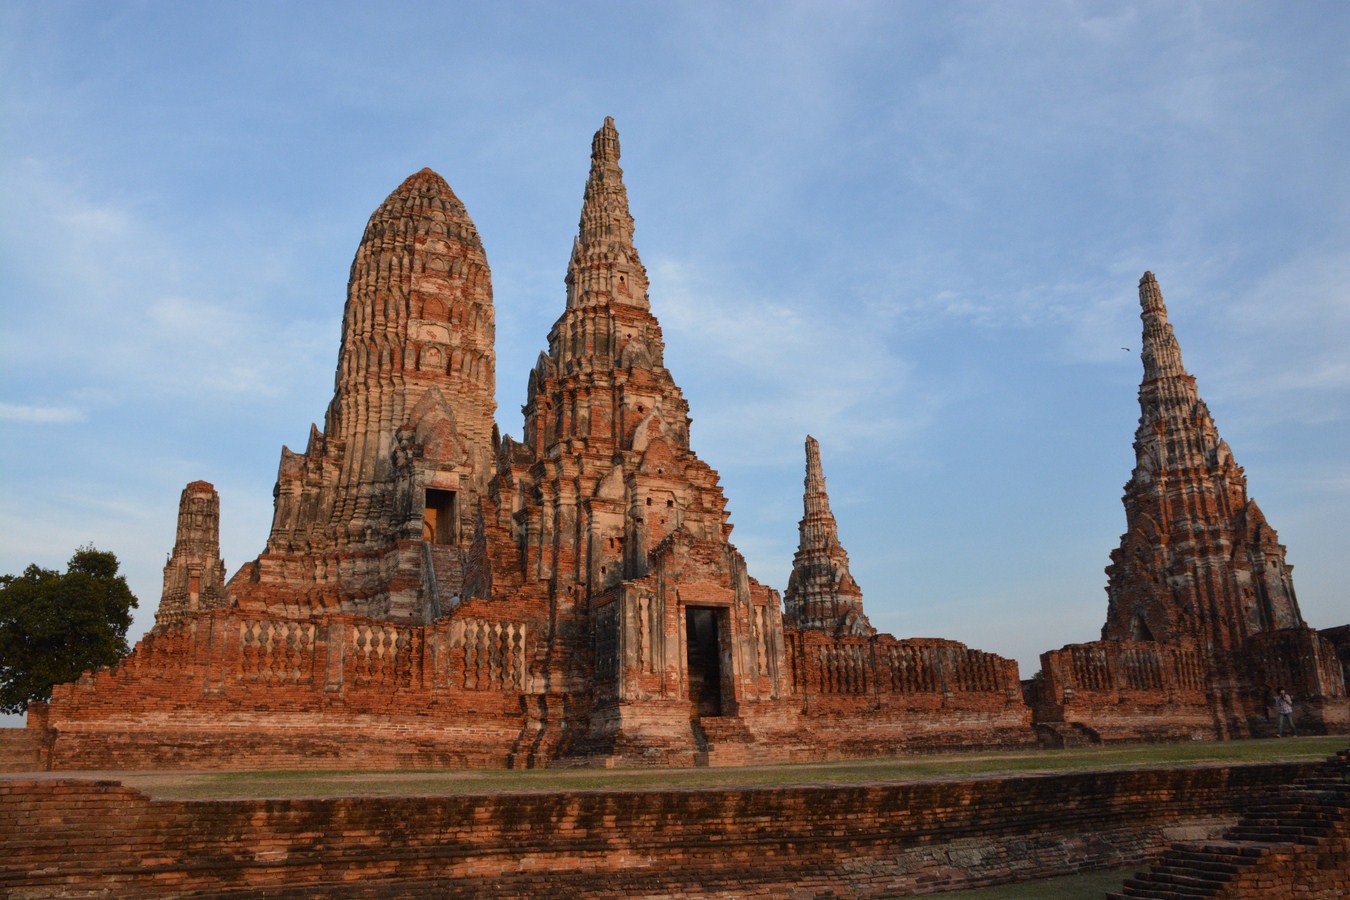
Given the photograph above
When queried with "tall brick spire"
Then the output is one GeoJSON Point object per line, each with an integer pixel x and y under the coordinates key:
{"type": "Point", "coordinates": [821, 592]}
{"type": "Point", "coordinates": [602, 388]}
{"type": "Point", "coordinates": [406, 448]}
{"type": "Point", "coordinates": [1198, 559]}
{"type": "Point", "coordinates": [604, 510]}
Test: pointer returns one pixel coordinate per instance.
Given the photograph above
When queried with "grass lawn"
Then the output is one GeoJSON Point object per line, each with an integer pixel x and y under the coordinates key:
{"type": "Point", "coordinates": [247, 785]}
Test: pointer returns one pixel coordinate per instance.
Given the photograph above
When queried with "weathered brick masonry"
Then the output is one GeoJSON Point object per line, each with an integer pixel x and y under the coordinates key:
{"type": "Point", "coordinates": [435, 593]}
{"type": "Point", "coordinates": [86, 838]}
{"type": "Point", "coordinates": [1202, 622]}
{"type": "Point", "coordinates": [1294, 842]}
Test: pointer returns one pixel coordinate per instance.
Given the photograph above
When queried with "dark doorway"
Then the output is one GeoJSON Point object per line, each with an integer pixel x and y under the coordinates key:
{"type": "Point", "coordinates": [705, 661]}
{"type": "Point", "coordinates": [438, 517]}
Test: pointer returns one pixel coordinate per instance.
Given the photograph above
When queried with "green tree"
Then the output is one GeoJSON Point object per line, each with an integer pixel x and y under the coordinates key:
{"type": "Point", "coordinates": [54, 626]}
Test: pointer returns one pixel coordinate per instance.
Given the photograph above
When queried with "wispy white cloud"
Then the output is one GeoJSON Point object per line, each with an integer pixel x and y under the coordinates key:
{"type": "Point", "coordinates": [47, 415]}
{"type": "Point", "coordinates": [1290, 326]}
{"type": "Point", "coordinates": [139, 308]}
{"type": "Point", "coordinates": [793, 367]}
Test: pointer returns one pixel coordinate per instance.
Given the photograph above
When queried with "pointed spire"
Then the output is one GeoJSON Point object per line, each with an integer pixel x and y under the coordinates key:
{"type": "Point", "coordinates": [605, 144]}
{"type": "Point", "coordinates": [1161, 353]}
{"type": "Point", "coordinates": [821, 592]}
{"type": "Point", "coordinates": [1185, 509]}
{"type": "Point", "coordinates": [815, 501]}
{"type": "Point", "coordinates": [605, 218]}
{"type": "Point", "coordinates": [604, 266]}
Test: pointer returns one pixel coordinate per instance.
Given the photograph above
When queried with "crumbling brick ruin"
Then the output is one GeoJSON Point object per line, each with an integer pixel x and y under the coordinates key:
{"type": "Point", "coordinates": [1202, 624]}
{"type": "Point", "coordinates": [432, 594]}
{"type": "Point", "coordinates": [70, 838]}
{"type": "Point", "coordinates": [194, 576]}
{"type": "Point", "coordinates": [1294, 842]}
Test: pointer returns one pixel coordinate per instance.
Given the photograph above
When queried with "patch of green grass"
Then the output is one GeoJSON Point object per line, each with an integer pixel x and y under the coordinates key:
{"type": "Point", "coordinates": [279, 784]}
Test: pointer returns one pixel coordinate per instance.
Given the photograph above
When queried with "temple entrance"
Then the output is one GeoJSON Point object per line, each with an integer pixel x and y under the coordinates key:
{"type": "Point", "coordinates": [438, 517]}
{"type": "Point", "coordinates": [703, 639]}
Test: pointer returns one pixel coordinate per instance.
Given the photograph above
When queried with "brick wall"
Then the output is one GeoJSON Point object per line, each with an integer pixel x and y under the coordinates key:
{"type": "Point", "coordinates": [63, 838]}
{"type": "Point", "coordinates": [1292, 842]}
{"type": "Point", "coordinates": [27, 749]}
{"type": "Point", "coordinates": [877, 695]}
{"type": "Point", "coordinates": [1143, 691]}
{"type": "Point", "coordinates": [248, 691]}
{"type": "Point", "coordinates": [1126, 691]}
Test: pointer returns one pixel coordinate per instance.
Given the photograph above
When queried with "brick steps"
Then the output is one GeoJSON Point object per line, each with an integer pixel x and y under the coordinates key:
{"type": "Point", "coordinates": [1311, 813]}
{"type": "Point", "coordinates": [723, 741]}
{"type": "Point", "coordinates": [1065, 735]}
{"type": "Point", "coordinates": [20, 750]}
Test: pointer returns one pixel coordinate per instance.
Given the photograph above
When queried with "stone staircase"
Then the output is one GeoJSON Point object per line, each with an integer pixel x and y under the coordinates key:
{"type": "Point", "coordinates": [1311, 814]}
{"type": "Point", "coordinates": [1063, 735]}
{"type": "Point", "coordinates": [21, 750]}
{"type": "Point", "coordinates": [442, 576]}
{"type": "Point", "coordinates": [723, 741]}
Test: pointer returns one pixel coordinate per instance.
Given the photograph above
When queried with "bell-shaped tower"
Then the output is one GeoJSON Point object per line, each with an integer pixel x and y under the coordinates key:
{"type": "Point", "coordinates": [375, 516]}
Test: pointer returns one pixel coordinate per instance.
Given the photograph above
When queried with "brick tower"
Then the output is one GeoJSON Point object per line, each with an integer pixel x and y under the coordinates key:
{"type": "Point", "coordinates": [821, 593]}
{"type": "Point", "coordinates": [1202, 624]}
{"type": "Point", "coordinates": [194, 576]}
{"type": "Point", "coordinates": [604, 510]}
{"type": "Point", "coordinates": [1198, 558]}
{"type": "Point", "coordinates": [1198, 561]}
{"type": "Point", "coordinates": [374, 517]}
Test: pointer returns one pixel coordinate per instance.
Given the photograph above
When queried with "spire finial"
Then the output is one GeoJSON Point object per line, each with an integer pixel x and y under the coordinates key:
{"type": "Point", "coordinates": [1161, 354]}
{"type": "Point", "coordinates": [604, 267]}
{"type": "Point", "coordinates": [815, 477]}
{"type": "Point", "coordinates": [605, 144]}
{"type": "Point", "coordinates": [1150, 295]}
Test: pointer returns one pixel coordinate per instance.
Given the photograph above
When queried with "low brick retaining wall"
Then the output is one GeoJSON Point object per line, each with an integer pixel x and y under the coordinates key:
{"type": "Point", "coordinates": [98, 838]}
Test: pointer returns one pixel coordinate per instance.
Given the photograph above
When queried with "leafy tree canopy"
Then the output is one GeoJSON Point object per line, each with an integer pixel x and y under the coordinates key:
{"type": "Point", "coordinates": [54, 626]}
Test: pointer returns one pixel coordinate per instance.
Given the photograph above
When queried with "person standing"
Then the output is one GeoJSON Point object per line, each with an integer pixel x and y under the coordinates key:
{"type": "Point", "coordinates": [1284, 708]}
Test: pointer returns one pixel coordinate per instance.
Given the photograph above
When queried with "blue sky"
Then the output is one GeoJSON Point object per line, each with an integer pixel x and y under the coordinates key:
{"type": "Point", "coordinates": [913, 230]}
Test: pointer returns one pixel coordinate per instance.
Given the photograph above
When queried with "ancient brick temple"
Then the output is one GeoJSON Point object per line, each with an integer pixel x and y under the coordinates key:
{"type": "Point", "coordinates": [431, 594]}
{"type": "Point", "coordinates": [1202, 623]}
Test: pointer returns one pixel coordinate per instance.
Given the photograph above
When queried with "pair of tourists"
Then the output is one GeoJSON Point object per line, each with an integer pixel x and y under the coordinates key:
{"type": "Point", "coordinates": [1284, 709]}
